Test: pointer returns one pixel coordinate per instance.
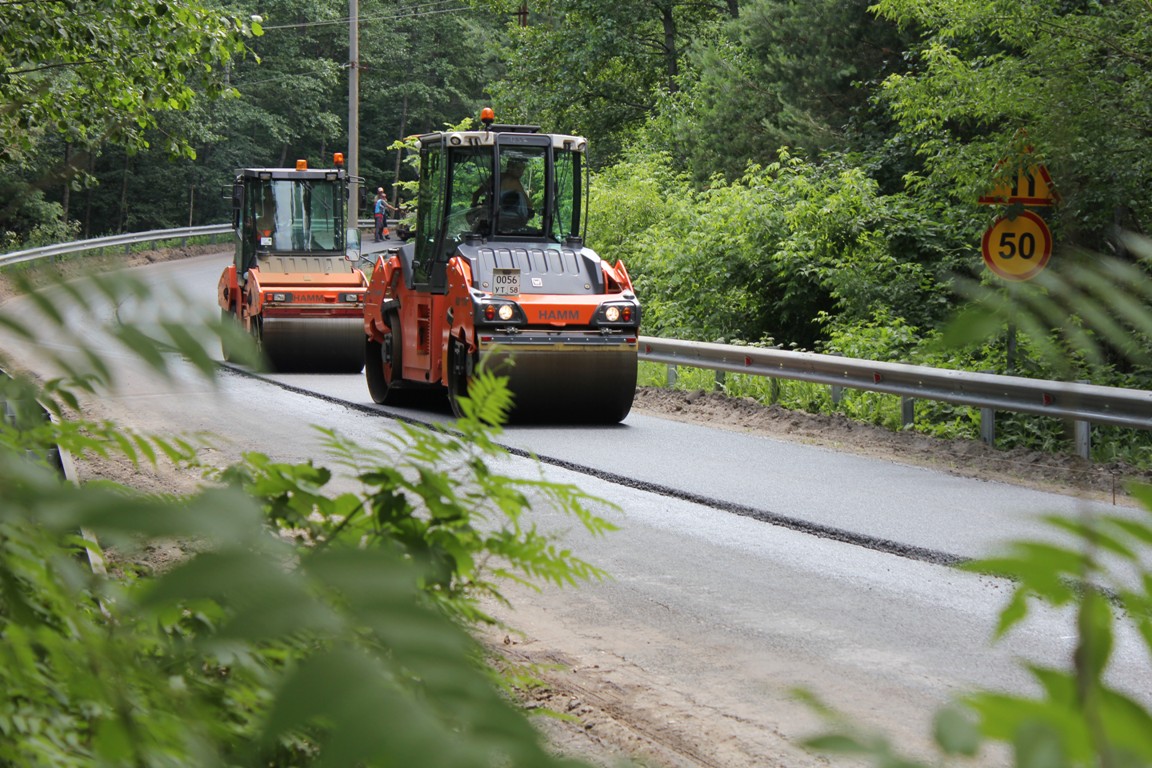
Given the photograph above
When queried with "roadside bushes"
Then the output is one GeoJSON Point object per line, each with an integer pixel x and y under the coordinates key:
{"type": "Point", "coordinates": [769, 255]}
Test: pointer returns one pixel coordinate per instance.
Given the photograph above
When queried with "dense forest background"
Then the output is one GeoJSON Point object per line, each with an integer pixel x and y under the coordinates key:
{"type": "Point", "coordinates": [803, 174]}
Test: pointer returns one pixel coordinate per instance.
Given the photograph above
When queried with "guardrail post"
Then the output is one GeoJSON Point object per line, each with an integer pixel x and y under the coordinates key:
{"type": "Point", "coordinates": [988, 423]}
{"type": "Point", "coordinates": [719, 385]}
{"type": "Point", "coordinates": [837, 390]}
{"type": "Point", "coordinates": [671, 376]}
{"type": "Point", "coordinates": [988, 426]}
{"type": "Point", "coordinates": [773, 390]}
{"type": "Point", "coordinates": [1082, 435]}
{"type": "Point", "coordinates": [907, 411]}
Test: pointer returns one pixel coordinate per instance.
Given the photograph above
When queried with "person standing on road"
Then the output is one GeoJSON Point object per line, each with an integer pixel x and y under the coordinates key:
{"type": "Point", "coordinates": [381, 214]}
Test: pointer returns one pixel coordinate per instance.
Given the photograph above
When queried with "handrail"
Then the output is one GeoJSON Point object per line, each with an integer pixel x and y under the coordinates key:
{"type": "Point", "coordinates": [112, 241]}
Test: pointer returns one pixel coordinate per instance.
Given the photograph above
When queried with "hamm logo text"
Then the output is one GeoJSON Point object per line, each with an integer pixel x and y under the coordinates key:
{"type": "Point", "coordinates": [558, 314]}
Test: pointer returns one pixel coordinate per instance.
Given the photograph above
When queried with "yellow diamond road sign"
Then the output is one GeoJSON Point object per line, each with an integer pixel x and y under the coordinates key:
{"type": "Point", "coordinates": [1017, 248]}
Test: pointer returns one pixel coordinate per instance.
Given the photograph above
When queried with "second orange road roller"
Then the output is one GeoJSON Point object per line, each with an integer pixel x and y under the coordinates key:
{"type": "Point", "coordinates": [295, 284]}
{"type": "Point", "coordinates": [497, 274]}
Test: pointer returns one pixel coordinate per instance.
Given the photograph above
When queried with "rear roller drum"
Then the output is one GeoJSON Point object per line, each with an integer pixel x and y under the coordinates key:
{"type": "Point", "coordinates": [227, 318]}
{"type": "Point", "coordinates": [382, 363]}
{"type": "Point", "coordinates": [256, 330]}
{"type": "Point", "coordinates": [459, 374]}
{"type": "Point", "coordinates": [312, 345]}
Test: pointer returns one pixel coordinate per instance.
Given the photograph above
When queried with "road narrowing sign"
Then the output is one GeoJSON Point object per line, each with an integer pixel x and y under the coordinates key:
{"type": "Point", "coordinates": [1017, 248]}
{"type": "Point", "coordinates": [1030, 186]}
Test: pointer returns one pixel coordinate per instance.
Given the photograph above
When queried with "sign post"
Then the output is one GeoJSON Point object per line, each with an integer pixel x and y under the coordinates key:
{"type": "Point", "coordinates": [1018, 245]}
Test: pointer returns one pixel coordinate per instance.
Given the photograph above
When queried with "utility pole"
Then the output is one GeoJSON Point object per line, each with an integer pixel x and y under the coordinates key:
{"type": "Point", "coordinates": [353, 160]}
{"type": "Point", "coordinates": [400, 153]}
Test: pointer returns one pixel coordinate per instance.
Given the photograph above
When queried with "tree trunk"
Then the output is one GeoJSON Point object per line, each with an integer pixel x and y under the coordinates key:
{"type": "Point", "coordinates": [88, 196]}
{"type": "Point", "coordinates": [67, 197]}
{"type": "Point", "coordinates": [671, 54]}
{"type": "Point", "coordinates": [124, 193]}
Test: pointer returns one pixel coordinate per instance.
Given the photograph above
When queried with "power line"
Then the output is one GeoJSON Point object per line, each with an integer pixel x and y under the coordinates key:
{"type": "Point", "coordinates": [413, 13]}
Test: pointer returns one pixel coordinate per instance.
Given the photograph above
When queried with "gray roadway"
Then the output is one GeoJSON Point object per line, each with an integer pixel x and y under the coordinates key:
{"type": "Point", "coordinates": [725, 612]}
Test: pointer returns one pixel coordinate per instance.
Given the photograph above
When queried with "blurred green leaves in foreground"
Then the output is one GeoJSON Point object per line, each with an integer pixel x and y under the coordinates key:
{"type": "Point", "coordinates": [304, 627]}
{"type": "Point", "coordinates": [1097, 308]}
{"type": "Point", "coordinates": [317, 626]}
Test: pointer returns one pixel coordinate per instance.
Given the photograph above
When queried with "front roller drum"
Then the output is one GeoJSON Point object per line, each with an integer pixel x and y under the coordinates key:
{"type": "Point", "coordinates": [584, 385]}
{"type": "Point", "coordinates": [313, 345]}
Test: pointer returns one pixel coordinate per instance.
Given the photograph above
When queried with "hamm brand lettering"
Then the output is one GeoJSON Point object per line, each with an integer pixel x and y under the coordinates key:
{"type": "Point", "coordinates": [558, 314]}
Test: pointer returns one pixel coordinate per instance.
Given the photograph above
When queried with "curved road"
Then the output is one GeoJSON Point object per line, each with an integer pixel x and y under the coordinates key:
{"type": "Point", "coordinates": [744, 567]}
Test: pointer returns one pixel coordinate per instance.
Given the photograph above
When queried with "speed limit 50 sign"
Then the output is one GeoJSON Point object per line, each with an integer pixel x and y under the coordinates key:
{"type": "Point", "coordinates": [1017, 248]}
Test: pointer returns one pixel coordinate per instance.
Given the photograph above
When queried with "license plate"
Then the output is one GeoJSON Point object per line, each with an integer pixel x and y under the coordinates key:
{"type": "Point", "coordinates": [505, 282]}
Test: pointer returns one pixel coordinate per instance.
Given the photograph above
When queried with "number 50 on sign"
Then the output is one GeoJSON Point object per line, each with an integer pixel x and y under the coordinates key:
{"type": "Point", "coordinates": [1017, 248]}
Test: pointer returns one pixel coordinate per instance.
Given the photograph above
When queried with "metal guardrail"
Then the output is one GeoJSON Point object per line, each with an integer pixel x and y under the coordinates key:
{"type": "Point", "coordinates": [124, 240]}
{"type": "Point", "coordinates": [112, 241]}
{"type": "Point", "coordinates": [1081, 403]}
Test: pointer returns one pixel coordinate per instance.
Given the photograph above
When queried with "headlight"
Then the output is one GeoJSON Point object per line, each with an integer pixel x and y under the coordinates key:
{"type": "Point", "coordinates": [500, 312]}
{"type": "Point", "coordinates": [281, 297]}
{"type": "Point", "coordinates": [350, 297]}
{"type": "Point", "coordinates": [619, 313]}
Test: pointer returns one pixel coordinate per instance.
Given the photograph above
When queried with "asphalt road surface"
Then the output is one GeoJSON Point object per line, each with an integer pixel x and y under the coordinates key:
{"type": "Point", "coordinates": [744, 567]}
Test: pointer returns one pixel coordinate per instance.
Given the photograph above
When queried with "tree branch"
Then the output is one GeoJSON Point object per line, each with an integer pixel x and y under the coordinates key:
{"type": "Point", "coordinates": [58, 65]}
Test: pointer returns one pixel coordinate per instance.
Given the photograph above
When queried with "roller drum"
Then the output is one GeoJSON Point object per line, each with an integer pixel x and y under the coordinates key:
{"type": "Point", "coordinates": [306, 345]}
{"type": "Point", "coordinates": [585, 385]}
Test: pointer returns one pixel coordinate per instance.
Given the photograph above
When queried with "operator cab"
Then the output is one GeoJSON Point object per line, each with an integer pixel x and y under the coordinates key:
{"type": "Point", "coordinates": [504, 187]}
{"type": "Point", "coordinates": [290, 212]}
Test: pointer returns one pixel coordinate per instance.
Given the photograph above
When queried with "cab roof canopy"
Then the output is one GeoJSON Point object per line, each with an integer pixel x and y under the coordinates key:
{"type": "Point", "coordinates": [289, 173]}
{"type": "Point", "coordinates": [491, 137]}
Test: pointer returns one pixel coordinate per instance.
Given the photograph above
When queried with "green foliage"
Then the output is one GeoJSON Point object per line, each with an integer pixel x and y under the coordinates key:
{"type": "Point", "coordinates": [432, 496]}
{"type": "Point", "coordinates": [30, 220]}
{"type": "Point", "coordinates": [763, 257]}
{"type": "Point", "coordinates": [597, 68]}
{"type": "Point", "coordinates": [1078, 717]}
{"type": "Point", "coordinates": [253, 651]}
{"type": "Point", "coordinates": [1085, 315]}
{"type": "Point", "coordinates": [1068, 79]}
{"type": "Point", "coordinates": [781, 74]}
{"type": "Point", "coordinates": [100, 70]}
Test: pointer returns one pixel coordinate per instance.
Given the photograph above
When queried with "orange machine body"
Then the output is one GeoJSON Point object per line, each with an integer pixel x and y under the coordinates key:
{"type": "Point", "coordinates": [504, 280]}
{"type": "Point", "coordinates": [295, 284]}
